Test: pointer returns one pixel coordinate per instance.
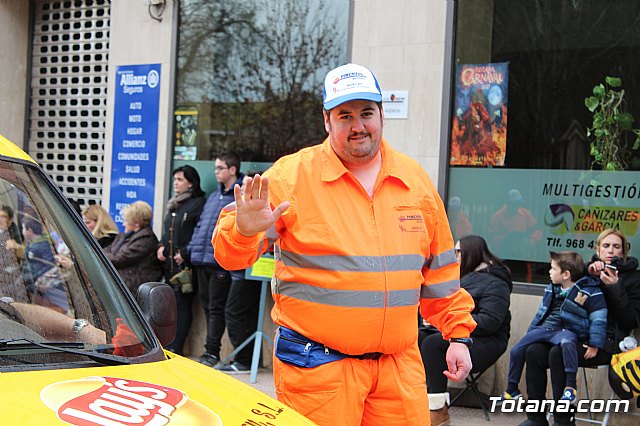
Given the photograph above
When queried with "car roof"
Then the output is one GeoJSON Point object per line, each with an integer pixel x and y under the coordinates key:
{"type": "Point", "coordinates": [9, 149]}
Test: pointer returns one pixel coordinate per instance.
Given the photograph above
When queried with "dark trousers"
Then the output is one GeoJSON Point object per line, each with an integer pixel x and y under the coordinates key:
{"type": "Point", "coordinates": [213, 290]}
{"type": "Point", "coordinates": [433, 348]}
{"type": "Point", "coordinates": [540, 357]}
{"type": "Point", "coordinates": [567, 340]}
{"type": "Point", "coordinates": [183, 319]}
{"type": "Point", "coordinates": [242, 316]}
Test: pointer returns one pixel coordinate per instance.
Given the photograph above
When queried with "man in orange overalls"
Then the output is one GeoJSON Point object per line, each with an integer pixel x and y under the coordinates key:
{"type": "Point", "coordinates": [361, 240]}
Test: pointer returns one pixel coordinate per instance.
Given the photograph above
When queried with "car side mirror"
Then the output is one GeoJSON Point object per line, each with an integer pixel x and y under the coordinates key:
{"type": "Point", "coordinates": [158, 304]}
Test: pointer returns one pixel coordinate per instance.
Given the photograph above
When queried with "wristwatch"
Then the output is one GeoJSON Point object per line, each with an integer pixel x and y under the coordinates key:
{"type": "Point", "coordinates": [79, 324]}
{"type": "Point", "coordinates": [466, 340]}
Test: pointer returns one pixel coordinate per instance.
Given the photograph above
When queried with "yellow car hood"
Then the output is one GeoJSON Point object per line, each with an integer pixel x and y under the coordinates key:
{"type": "Point", "coordinates": [177, 391]}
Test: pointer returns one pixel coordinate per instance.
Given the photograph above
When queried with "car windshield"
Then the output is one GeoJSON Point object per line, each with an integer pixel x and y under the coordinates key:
{"type": "Point", "coordinates": [55, 286]}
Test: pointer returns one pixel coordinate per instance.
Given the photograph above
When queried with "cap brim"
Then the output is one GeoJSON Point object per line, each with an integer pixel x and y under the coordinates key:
{"type": "Point", "coordinates": [352, 97]}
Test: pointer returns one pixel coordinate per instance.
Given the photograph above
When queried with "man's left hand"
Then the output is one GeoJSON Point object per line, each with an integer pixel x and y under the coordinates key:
{"type": "Point", "coordinates": [458, 362]}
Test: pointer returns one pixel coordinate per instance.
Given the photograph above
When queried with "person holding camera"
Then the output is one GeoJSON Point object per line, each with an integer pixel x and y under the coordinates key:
{"type": "Point", "coordinates": [620, 279]}
{"type": "Point", "coordinates": [183, 213]}
{"type": "Point", "coordinates": [572, 308]}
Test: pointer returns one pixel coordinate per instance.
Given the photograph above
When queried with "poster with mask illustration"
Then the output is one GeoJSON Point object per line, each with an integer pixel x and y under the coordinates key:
{"type": "Point", "coordinates": [479, 125]}
{"type": "Point", "coordinates": [186, 126]}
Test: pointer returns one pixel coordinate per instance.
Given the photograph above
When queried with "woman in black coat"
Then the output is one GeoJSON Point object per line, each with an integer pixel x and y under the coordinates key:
{"type": "Point", "coordinates": [621, 288]}
{"type": "Point", "coordinates": [183, 212]}
{"type": "Point", "coordinates": [132, 251]}
{"type": "Point", "coordinates": [488, 281]}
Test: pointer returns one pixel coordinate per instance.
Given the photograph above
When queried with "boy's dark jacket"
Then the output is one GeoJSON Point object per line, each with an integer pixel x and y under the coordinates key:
{"type": "Point", "coordinates": [584, 311]}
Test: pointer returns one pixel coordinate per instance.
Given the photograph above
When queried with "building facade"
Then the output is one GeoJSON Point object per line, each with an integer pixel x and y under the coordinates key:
{"type": "Point", "coordinates": [488, 96]}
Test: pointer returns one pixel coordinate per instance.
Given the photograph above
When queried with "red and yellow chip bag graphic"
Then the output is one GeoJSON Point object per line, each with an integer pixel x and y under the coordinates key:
{"type": "Point", "coordinates": [110, 401]}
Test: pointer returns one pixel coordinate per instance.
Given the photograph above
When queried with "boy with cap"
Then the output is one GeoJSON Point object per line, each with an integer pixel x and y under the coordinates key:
{"type": "Point", "coordinates": [361, 240]}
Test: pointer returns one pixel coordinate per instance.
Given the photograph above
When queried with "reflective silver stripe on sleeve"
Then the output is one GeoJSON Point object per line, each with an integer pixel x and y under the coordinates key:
{"type": "Point", "coordinates": [345, 298]}
{"type": "Point", "coordinates": [272, 235]}
{"type": "Point", "coordinates": [443, 259]}
{"type": "Point", "coordinates": [262, 244]}
{"type": "Point", "coordinates": [435, 291]}
{"type": "Point", "coordinates": [401, 262]}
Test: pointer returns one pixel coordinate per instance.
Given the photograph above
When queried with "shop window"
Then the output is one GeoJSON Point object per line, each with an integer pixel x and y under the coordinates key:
{"type": "Point", "coordinates": [521, 171]}
{"type": "Point", "coordinates": [250, 75]}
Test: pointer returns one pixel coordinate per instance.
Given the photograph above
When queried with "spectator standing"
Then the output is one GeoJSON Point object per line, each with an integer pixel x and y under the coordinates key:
{"type": "Point", "coordinates": [183, 212]}
{"type": "Point", "coordinates": [10, 272]}
{"type": "Point", "coordinates": [488, 281]}
{"type": "Point", "coordinates": [38, 251]}
{"type": "Point", "coordinates": [38, 267]}
{"type": "Point", "coordinates": [241, 315]}
{"type": "Point", "coordinates": [133, 252]}
{"type": "Point", "coordinates": [7, 215]}
{"type": "Point", "coordinates": [101, 225]}
{"type": "Point", "coordinates": [361, 239]}
{"type": "Point", "coordinates": [214, 281]}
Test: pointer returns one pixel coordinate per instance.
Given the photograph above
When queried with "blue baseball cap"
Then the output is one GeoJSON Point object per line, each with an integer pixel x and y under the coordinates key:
{"type": "Point", "coordinates": [350, 82]}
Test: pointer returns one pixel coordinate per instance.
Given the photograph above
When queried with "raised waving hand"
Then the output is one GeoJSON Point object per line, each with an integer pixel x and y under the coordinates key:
{"type": "Point", "coordinates": [253, 212]}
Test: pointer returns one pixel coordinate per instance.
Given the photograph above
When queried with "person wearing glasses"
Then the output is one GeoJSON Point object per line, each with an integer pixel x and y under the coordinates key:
{"type": "Point", "coordinates": [214, 281]}
{"type": "Point", "coordinates": [488, 281]}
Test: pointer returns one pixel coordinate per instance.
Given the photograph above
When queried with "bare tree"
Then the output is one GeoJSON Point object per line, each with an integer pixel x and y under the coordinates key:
{"type": "Point", "coordinates": [266, 63]}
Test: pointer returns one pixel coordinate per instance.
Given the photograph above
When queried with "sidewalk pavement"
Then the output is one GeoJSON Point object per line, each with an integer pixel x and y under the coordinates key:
{"type": "Point", "coordinates": [460, 416]}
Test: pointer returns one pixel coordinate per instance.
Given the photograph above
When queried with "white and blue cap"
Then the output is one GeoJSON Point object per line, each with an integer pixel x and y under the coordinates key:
{"type": "Point", "coordinates": [350, 82]}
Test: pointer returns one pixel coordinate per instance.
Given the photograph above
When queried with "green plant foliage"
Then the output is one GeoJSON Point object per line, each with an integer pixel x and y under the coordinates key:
{"type": "Point", "coordinates": [611, 126]}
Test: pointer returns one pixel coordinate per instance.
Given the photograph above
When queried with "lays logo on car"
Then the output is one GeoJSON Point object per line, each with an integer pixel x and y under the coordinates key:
{"type": "Point", "coordinates": [111, 401]}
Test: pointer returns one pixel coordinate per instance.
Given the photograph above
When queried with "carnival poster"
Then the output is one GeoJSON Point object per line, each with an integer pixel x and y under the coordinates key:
{"type": "Point", "coordinates": [479, 127]}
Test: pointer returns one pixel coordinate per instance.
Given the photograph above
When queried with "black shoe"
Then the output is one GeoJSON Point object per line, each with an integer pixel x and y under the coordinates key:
{"type": "Point", "coordinates": [235, 368]}
{"type": "Point", "coordinates": [209, 360]}
{"type": "Point", "coordinates": [542, 421]}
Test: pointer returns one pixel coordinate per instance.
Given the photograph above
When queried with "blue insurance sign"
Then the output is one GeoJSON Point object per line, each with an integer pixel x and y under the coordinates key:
{"type": "Point", "coordinates": [135, 136]}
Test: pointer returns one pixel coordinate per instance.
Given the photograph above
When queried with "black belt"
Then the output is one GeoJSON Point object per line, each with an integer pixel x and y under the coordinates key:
{"type": "Point", "coordinates": [368, 355]}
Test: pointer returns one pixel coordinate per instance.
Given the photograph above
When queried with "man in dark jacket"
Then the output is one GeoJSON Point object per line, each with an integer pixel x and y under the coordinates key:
{"type": "Point", "coordinates": [215, 283]}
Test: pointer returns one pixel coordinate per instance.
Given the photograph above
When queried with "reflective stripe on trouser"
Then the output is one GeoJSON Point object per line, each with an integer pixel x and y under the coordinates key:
{"type": "Point", "coordinates": [389, 391]}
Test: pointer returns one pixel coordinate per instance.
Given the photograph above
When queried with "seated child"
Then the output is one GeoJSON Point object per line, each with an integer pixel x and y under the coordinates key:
{"type": "Point", "coordinates": [573, 309]}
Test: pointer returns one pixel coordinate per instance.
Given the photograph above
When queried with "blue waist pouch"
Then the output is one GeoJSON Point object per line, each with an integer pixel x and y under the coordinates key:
{"type": "Point", "coordinates": [293, 348]}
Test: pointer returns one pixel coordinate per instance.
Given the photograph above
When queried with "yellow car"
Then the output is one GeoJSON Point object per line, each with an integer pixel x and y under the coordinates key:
{"type": "Point", "coordinates": [75, 347]}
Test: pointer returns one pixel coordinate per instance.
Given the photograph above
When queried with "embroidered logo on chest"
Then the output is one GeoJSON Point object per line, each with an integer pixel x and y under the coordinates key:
{"type": "Point", "coordinates": [411, 223]}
